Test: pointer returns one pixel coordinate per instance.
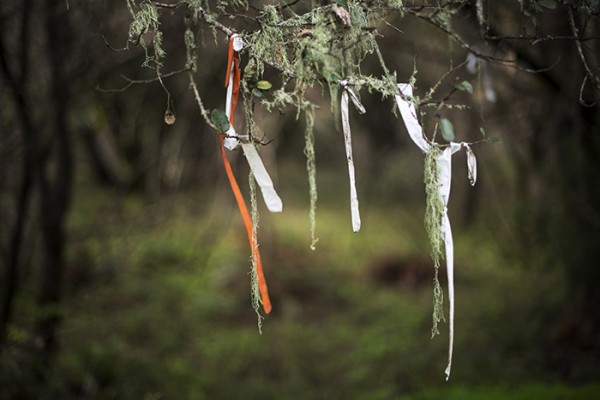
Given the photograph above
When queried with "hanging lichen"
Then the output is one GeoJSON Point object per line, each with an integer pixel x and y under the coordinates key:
{"type": "Point", "coordinates": [146, 20]}
{"type": "Point", "coordinates": [311, 170]}
{"type": "Point", "coordinates": [254, 288]}
{"type": "Point", "coordinates": [434, 211]}
{"type": "Point", "coordinates": [304, 45]}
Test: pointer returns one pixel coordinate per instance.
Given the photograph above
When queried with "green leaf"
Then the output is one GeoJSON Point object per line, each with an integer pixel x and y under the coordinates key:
{"type": "Point", "coordinates": [263, 85]}
{"type": "Point", "coordinates": [494, 140]}
{"type": "Point", "coordinates": [482, 131]}
{"type": "Point", "coordinates": [547, 3]}
{"type": "Point", "coordinates": [219, 118]}
{"type": "Point", "coordinates": [465, 86]}
{"type": "Point", "coordinates": [257, 93]}
{"type": "Point", "coordinates": [447, 129]}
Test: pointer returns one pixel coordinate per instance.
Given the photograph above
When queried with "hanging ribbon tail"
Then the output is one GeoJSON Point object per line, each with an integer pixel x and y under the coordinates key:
{"type": "Point", "coordinates": [270, 196]}
{"type": "Point", "coordinates": [444, 179]}
{"type": "Point", "coordinates": [348, 145]}
{"type": "Point", "coordinates": [471, 165]}
{"type": "Point", "coordinates": [262, 283]}
{"type": "Point", "coordinates": [409, 115]}
{"type": "Point", "coordinates": [449, 245]}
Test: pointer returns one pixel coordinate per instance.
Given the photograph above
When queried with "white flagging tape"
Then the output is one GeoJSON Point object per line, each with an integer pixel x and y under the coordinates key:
{"type": "Point", "coordinates": [272, 199]}
{"type": "Point", "coordinates": [409, 115]}
{"type": "Point", "coordinates": [230, 141]}
{"type": "Point", "coordinates": [270, 196]}
{"type": "Point", "coordinates": [348, 145]}
{"type": "Point", "coordinates": [471, 165]}
{"type": "Point", "coordinates": [444, 179]}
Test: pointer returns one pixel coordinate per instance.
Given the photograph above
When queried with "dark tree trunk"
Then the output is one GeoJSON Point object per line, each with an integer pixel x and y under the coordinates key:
{"type": "Point", "coordinates": [55, 182]}
{"type": "Point", "coordinates": [16, 78]}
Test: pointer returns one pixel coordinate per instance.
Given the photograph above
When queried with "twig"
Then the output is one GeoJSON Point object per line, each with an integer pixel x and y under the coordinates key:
{"type": "Point", "coordinates": [581, 100]}
{"type": "Point", "coordinates": [165, 5]}
{"type": "Point", "coordinates": [589, 72]}
{"type": "Point", "coordinates": [281, 7]}
{"type": "Point", "coordinates": [114, 48]}
{"type": "Point", "coordinates": [203, 110]}
{"type": "Point", "coordinates": [131, 82]}
{"type": "Point", "coordinates": [536, 39]}
{"type": "Point", "coordinates": [213, 22]}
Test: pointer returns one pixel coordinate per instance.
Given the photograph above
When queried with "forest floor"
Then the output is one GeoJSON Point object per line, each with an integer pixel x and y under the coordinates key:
{"type": "Point", "coordinates": [158, 306]}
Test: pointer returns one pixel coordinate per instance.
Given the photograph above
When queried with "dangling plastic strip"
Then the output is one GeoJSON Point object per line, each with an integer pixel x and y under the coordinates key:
{"type": "Point", "coordinates": [348, 142]}
{"type": "Point", "coordinates": [444, 178]}
{"type": "Point", "coordinates": [409, 115]}
{"type": "Point", "coordinates": [262, 283]}
{"type": "Point", "coordinates": [471, 165]}
{"type": "Point", "coordinates": [272, 199]}
{"type": "Point", "coordinates": [232, 82]}
{"type": "Point", "coordinates": [231, 142]}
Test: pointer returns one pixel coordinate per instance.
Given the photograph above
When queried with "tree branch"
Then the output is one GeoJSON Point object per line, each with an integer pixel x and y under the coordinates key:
{"type": "Point", "coordinates": [209, 19]}
{"type": "Point", "coordinates": [590, 74]}
{"type": "Point", "coordinates": [203, 110]}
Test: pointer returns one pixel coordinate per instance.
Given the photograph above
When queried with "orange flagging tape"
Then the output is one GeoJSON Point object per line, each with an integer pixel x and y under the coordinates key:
{"type": "Point", "coordinates": [262, 284]}
{"type": "Point", "coordinates": [234, 58]}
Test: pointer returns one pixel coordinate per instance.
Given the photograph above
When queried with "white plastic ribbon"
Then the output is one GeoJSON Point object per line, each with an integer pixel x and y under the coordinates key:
{"type": "Point", "coordinates": [409, 115]}
{"type": "Point", "coordinates": [272, 199]}
{"type": "Point", "coordinates": [348, 145]}
{"type": "Point", "coordinates": [445, 179]}
{"type": "Point", "coordinates": [231, 142]}
{"type": "Point", "coordinates": [415, 131]}
{"type": "Point", "coordinates": [471, 165]}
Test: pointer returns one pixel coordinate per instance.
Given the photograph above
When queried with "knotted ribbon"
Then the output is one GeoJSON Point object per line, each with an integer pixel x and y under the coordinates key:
{"type": "Point", "coordinates": [444, 161]}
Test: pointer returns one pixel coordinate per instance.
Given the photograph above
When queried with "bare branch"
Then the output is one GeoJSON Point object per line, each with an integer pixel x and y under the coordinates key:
{"type": "Point", "coordinates": [590, 74]}
{"type": "Point", "coordinates": [165, 5]}
{"type": "Point", "coordinates": [131, 82]}
{"type": "Point", "coordinates": [203, 110]}
{"type": "Point", "coordinates": [213, 22]}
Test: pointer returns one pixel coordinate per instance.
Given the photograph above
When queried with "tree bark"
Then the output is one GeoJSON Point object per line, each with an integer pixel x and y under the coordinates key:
{"type": "Point", "coordinates": [55, 183]}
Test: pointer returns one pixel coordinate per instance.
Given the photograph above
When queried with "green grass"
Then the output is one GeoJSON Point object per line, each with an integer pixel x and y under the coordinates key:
{"type": "Point", "coordinates": [158, 306]}
{"type": "Point", "coordinates": [534, 391]}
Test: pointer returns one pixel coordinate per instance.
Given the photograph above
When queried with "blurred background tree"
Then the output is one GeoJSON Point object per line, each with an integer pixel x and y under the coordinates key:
{"type": "Point", "coordinates": [120, 250]}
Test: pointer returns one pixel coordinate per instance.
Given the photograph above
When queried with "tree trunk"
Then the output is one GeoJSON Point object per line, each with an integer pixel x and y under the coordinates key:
{"type": "Point", "coordinates": [56, 182]}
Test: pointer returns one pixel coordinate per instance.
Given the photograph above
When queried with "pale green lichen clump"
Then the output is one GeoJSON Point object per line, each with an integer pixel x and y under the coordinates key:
{"type": "Point", "coordinates": [311, 169]}
{"type": "Point", "coordinates": [254, 288]}
{"type": "Point", "coordinates": [434, 212]}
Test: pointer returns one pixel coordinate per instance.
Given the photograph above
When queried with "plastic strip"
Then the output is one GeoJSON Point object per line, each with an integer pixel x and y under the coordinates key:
{"type": "Point", "coordinates": [445, 178]}
{"type": "Point", "coordinates": [348, 145]}
{"type": "Point", "coordinates": [409, 115]}
{"type": "Point", "coordinates": [272, 199]}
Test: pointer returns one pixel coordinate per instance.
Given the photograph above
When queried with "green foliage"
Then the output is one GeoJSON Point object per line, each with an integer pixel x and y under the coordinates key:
{"type": "Point", "coordinates": [465, 86]}
{"type": "Point", "coordinates": [524, 392]}
{"type": "Point", "coordinates": [447, 130]}
{"type": "Point", "coordinates": [263, 85]}
{"type": "Point", "coordinates": [219, 118]}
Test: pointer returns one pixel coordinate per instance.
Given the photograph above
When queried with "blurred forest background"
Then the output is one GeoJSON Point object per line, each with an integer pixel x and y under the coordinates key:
{"type": "Point", "coordinates": [124, 262]}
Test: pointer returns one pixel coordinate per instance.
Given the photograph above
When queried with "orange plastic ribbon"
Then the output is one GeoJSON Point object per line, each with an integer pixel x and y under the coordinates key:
{"type": "Point", "coordinates": [234, 60]}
